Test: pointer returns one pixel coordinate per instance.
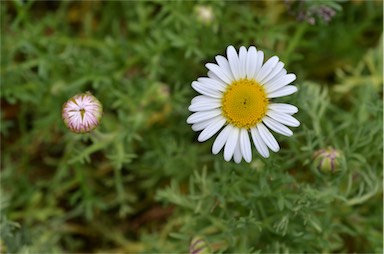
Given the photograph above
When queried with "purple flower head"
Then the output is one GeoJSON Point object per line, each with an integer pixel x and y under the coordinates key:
{"type": "Point", "coordinates": [82, 113]}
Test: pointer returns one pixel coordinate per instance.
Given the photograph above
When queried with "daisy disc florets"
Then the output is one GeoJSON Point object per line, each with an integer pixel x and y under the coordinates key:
{"type": "Point", "coordinates": [82, 113]}
{"type": "Point", "coordinates": [236, 101]}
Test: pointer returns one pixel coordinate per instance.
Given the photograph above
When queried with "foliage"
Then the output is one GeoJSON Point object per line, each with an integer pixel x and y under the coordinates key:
{"type": "Point", "coordinates": [141, 183]}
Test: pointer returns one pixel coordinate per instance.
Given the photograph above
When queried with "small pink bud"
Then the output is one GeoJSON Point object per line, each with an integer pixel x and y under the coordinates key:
{"type": "Point", "coordinates": [82, 113]}
{"type": "Point", "coordinates": [199, 246]}
{"type": "Point", "coordinates": [328, 160]}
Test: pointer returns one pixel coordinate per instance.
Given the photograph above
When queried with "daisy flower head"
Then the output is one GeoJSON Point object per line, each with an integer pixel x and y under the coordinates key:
{"type": "Point", "coordinates": [236, 101]}
{"type": "Point", "coordinates": [82, 113]}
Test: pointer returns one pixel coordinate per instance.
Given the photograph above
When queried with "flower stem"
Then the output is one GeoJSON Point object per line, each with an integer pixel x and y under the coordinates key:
{"type": "Point", "coordinates": [295, 41]}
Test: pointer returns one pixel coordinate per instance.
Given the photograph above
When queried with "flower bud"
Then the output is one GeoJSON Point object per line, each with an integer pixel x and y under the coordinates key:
{"type": "Point", "coordinates": [199, 246]}
{"type": "Point", "coordinates": [204, 14]}
{"type": "Point", "coordinates": [82, 113]}
{"type": "Point", "coordinates": [327, 160]}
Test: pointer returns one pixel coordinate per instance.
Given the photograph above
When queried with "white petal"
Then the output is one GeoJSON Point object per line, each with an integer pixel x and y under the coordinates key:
{"type": "Point", "coordinates": [211, 130]}
{"type": "Point", "coordinates": [279, 83]}
{"type": "Point", "coordinates": [204, 124]}
{"type": "Point", "coordinates": [259, 143]}
{"type": "Point", "coordinates": [206, 90]}
{"type": "Point", "coordinates": [245, 145]}
{"type": "Point", "coordinates": [268, 138]}
{"type": "Point", "coordinates": [267, 68]}
{"type": "Point", "coordinates": [277, 127]}
{"type": "Point", "coordinates": [221, 139]}
{"type": "Point", "coordinates": [283, 108]}
{"type": "Point", "coordinates": [219, 72]}
{"type": "Point", "coordinates": [279, 66]}
{"type": "Point", "coordinates": [223, 63]}
{"type": "Point", "coordinates": [203, 98]}
{"type": "Point", "coordinates": [233, 60]}
{"type": "Point", "coordinates": [230, 146]}
{"type": "Point", "coordinates": [283, 118]}
{"type": "Point", "coordinates": [212, 75]}
{"type": "Point", "coordinates": [237, 154]}
{"type": "Point", "coordinates": [200, 126]}
{"type": "Point", "coordinates": [259, 63]}
{"type": "Point", "coordinates": [281, 73]}
{"type": "Point", "coordinates": [286, 90]}
{"type": "Point", "coordinates": [203, 115]}
{"type": "Point", "coordinates": [204, 105]}
{"type": "Point", "coordinates": [251, 62]}
{"type": "Point", "coordinates": [212, 83]}
{"type": "Point", "coordinates": [243, 61]}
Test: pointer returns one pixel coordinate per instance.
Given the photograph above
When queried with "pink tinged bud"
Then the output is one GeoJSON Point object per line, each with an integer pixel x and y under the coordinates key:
{"type": "Point", "coordinates": [82, 113]}
{"type": "Point", "coordinates": [199, 246]}
{"type": "Point", "coordinates": [328, 160]}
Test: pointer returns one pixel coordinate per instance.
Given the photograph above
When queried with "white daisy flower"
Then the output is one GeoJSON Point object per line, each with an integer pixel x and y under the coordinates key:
{"type": "Point", "coordinates": [237, 95]}
{"type": "Point", "coordinates": [82, 113]}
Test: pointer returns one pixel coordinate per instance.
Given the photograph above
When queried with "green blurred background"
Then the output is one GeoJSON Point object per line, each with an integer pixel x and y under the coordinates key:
{"type": "Point", "coordinates": [141, 183]}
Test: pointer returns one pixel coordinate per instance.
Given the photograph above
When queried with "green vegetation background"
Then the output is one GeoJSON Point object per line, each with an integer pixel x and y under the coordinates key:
{"type": "Point", "coordinates": [141, 183]}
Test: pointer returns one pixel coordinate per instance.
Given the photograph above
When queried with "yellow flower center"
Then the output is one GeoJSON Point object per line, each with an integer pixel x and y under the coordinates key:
{"type": "Point", "coordinates": [244, 103]}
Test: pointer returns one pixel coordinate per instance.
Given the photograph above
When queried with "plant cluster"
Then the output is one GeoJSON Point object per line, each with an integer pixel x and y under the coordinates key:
{"type": "Point", "coordinates": [141, 182]}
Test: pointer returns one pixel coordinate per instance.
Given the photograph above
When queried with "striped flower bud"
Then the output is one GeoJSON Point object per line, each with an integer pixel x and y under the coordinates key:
{"type": "Point", "coordinates": [82, 113]}
{"type": "Point", "coordinates": [328, 160]}
{"type": "Point", "coordinates": [199, 246]}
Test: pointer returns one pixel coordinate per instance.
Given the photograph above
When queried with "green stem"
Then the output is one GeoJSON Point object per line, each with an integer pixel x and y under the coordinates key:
{"type": "Point", "coordinates": [295, 41]}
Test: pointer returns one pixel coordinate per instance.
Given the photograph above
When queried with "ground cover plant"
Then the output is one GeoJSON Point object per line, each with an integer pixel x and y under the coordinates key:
{"type": "Point", "coordinates": [141, 182]}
